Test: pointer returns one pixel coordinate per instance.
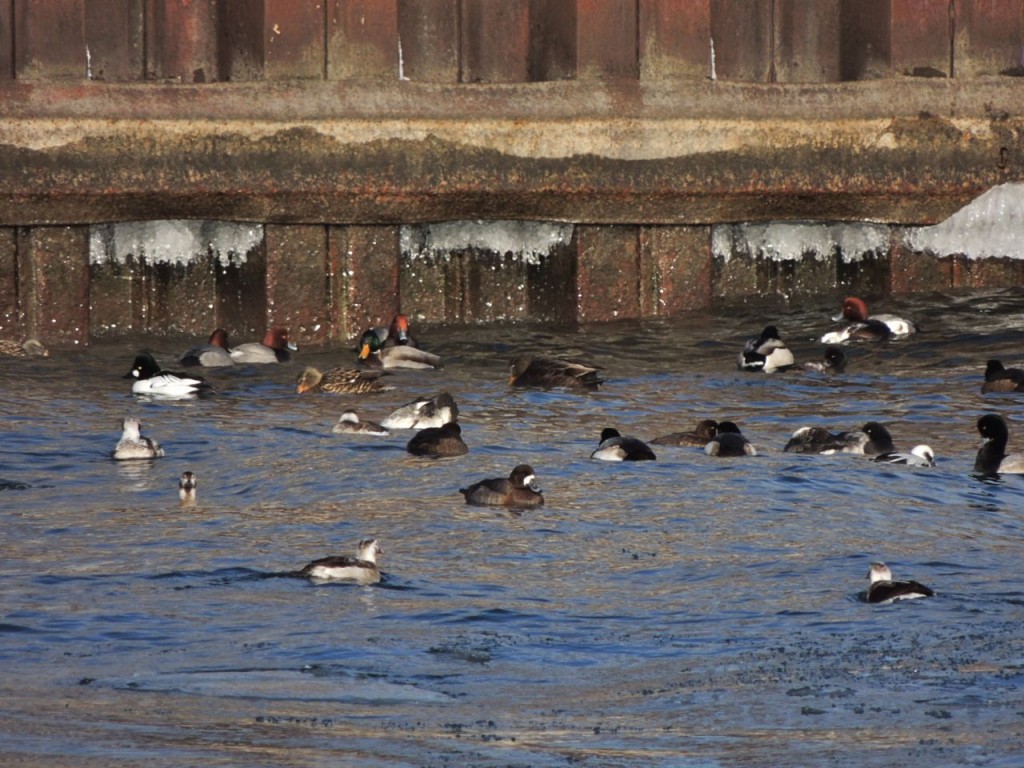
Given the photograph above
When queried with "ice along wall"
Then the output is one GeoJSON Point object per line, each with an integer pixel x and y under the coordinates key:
{"type": "Point", "coordinates": [338, 133]}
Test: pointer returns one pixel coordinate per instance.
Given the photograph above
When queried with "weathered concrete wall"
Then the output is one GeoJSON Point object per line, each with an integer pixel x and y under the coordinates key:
{"type": "Point", "coordinates": [332, 125]}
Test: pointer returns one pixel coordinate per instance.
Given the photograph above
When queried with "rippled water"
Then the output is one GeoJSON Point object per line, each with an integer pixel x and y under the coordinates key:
{"type": "Point", "coordinates": [685, 612]}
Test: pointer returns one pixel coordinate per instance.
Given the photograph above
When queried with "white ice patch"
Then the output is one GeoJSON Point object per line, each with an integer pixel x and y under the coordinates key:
{"type": "Point", "coordinates": [990, 226]}
{"type": "Point", "coordinates": [527, 241]}
{"type": "Point", "coordinates": [173, 242]}
{"type": "Point", "coordinates": [794, 241]}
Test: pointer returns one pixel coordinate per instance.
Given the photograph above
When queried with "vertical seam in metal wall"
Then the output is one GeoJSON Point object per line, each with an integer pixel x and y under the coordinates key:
{"type": "Point", "coordinates": [772, 73]}
{"type": "Point", "coordinates": [636, 37]}
{"type": "Point", "coordinates": [952, 37]}
{"type": "Point", "coordinates": [14, 40]}
{"type": "Point", "coordinates": [458, 42]}
{"type": "Point", "coordinates": [326, 36]}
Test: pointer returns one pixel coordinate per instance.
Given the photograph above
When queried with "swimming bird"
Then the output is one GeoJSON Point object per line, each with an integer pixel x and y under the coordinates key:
{"type": "Point", "coordinates": [275, 348]}
{"type": "Point", "coordinates": [362, 569]}
{"type": "Point", "coordinates": [871, 440]}
{"type": "Point", "coordinates": [834, 361]}
{"type": "Point", "coordinates": [187, 485]}
{"type": "Point", "coordinates": [767, 353]}
{"type": "Point", "coordinates": [350, 423]}
{"type": "Point", "coordinates": [340, 381]}
{"type": "Point", "coordinates": [1000, 379]}
{"type": "Point", "coordinates": [883, 590]}
{"type": "Point", "coordinates": [729, 441]}
{"type": "Point", "coordinates": [518, 490]}
{"type": "Point", "coordinates": [992, 458]}
{"type": "Point", "coordinates": [423, 412]}
{"type": "Point", "coordinates": [445, 440]}
{"type": "Point", "coordinates": [26, 348]}
{"type": "Point", "coordinates": [133, 445]}
{"type": "Point", "coordinates": [150, 379]}
{"type": "Point", "coordinates": [374, 354]}
{"type": "Point", "coordinates": [866, 327]}
{"type": "Point", "coordinates": [398, 333]}
{"type": "Point", "coordinates": [919, 456]}
{"type": "Point", "coordinates": [548, 372]}
{"type": "Point", "coordinates": [616, 447]}
{"type": "Point", "coordinates": [213, 354]}
{"type": "Point", "coordinates": [698, 438]}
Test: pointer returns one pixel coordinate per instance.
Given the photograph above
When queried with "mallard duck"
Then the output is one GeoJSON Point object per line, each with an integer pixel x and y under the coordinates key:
{"type": "Point", "coordinates": [375, 355]}
{"type": "Point", "coordinates": [548, 372]}
{"type": "Point", "coordinates": [518, 490]}
{"type": "Point", "coordinates": [26, 348]}
{"type": "Point", "coordinates": [340, 381]}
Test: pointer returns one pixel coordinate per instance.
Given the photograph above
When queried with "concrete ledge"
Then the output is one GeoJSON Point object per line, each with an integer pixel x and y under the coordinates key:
{"type": "Point", "coordinates": [900, 151]}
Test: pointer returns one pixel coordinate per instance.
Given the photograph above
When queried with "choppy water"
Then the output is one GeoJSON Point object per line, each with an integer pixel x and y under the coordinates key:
{"type": "Point", "coordinates": [685, 612]}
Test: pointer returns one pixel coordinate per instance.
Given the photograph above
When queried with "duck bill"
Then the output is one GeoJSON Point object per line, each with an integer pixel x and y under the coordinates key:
{"type": "Point", "coordinates": [364, 351]}
{"type": "Point", "coordinates": [838, 318]}
{"type": "Point", "coordinates": [292, 346]}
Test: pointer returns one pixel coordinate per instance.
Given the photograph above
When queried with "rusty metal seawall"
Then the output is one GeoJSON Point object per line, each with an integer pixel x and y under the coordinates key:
{"type": "Point", "coordinates": [333, 127]}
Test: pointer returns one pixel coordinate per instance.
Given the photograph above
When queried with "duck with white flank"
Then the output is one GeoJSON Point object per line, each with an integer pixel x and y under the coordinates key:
{"type": "Point", "coordinates": [883, 590]}
{"type": "Point", "coordinates": [1001, 379]}
{"type": "Point", "coordinates": [767, 353]}
{"type": "Point", "coordinates": [275, 348]}
{"type": "Point", "coordinates": [919, 456]}
{"type": "Point", "coordinates": [871, 440]}
{"type": "Point", "coordinates": [187, 485]}
{"type": "Point", "coordinates": [866, 327]}
{"type": "Point", "coordinates": [350, 424]}
{"type": "Point", "coordinates": [362, 569]}
{"type": "Point", "coordinates": [992, 458]}
{"type": "Point", "coordinates": [423, 412]}
{"type": "Point", "coordinates": [616, 447]}
{"type": "Point", "coordinates": [150, 379]}
{"type": "Point", "coordinates": [134, 445]}
{"type": "Point", "coordinates": [519, 490]}
{"type": "Point", "coordinates": [213, 354]}
{"type": "Point", "coordinates": [729, 441]}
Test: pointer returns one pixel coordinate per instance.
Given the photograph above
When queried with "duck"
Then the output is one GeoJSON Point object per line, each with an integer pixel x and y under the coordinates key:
{"type": "Point", "coordinates": [518, 490]}
{"type": "Point", "coordinates": [423, 412]}
{"type": "Point", "coordinates": [698, 438]}
{"type": "Point", "coordinates": [374, 354]}
{"type": "Point", "coordinates": [26, 348]}
{"type": "Point", "coordinates": [213, 354]}
{"type": "Point", "coordinates": [865, 327]}
{"type": "Point", "coordinates": [187, 485]}
{"type": "Point", "coordinates": [919, 456]}
{"type": "Point", "coordinates": [616, 447]}
{"type": "Point", "coordinates": [872, 439]}
{"type": "Point", "coordinates": [133, 445]}
{"type": "Point", "coordinates": [767, 353]}
{"type": "Point", "coordinates": [150, 379]}
{"type": "Point", "coordinates": [398, 333]}
{"type": "Point", "coordinates": [549, 372]}
{"type": "Point", "coordinates": [445, 440]}
{"type": "Point", "coordinates": [882, 590]}
{"type": "Point", "coordinates": [362, 569]}
{"type": "Point", "coordinates": [992, 458]}
{"type": "Point", "coordinates": [729, 441]}
{"type": "Point", "coordinates": [833, 361]}
{"type": "Point", "coordinates": [1001, 379]}
{"type": "Point", "coordinates": [349, 423]}
{"type": "Point", "coordinates": [340, 381]}
{"type": "Point", "coordinates": [275, 348]}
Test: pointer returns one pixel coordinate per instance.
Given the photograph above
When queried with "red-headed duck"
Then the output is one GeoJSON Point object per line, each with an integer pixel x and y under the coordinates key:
{"type": "Point", "coordinates": [275, 348]}
{"type": "Point", "coordinates": [866, 327]}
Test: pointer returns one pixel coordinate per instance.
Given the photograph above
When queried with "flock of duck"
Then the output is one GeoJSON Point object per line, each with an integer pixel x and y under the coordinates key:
{"type": "Point", "coordinates": [438, 433]}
